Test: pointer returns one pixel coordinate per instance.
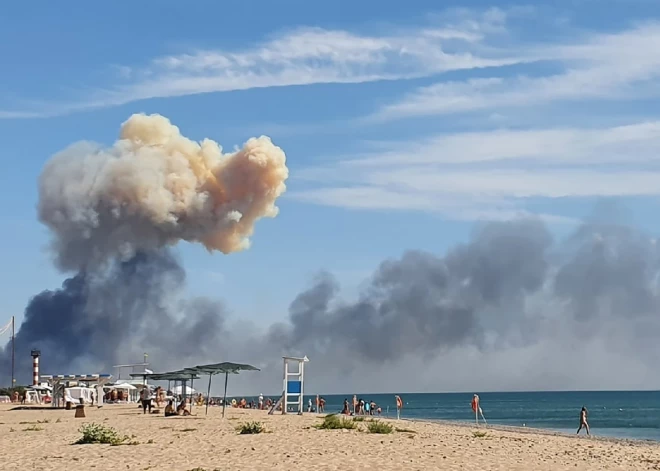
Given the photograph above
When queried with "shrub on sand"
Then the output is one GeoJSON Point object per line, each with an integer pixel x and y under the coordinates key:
{"type": "Point", "coordinates": [379, 427]}
{"type": "Point", "coordinates": [250, 428]}
{"type": "Point", "coordinates": [334, 422]}
{"type": "Point", "coordinates": [96, 433]}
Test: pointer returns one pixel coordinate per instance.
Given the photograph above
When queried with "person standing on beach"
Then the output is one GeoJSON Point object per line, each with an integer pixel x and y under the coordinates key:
{"type": "Point", "coordinates": [399, 406]}
{"type": "Point", "coordinates": [145, 397]}
{"type": "Point", "coordinates": [583, 421]}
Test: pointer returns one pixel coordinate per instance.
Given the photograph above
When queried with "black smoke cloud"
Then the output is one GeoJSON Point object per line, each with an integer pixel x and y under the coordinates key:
{"type": "Point", "coordinates": [113, 213]}
{"type": "Point", "coordinates": [510, 309]}
{"type": "Point", "coordinates": [101, 318]}
{"type": "Point", "coordinates": [421, 303]}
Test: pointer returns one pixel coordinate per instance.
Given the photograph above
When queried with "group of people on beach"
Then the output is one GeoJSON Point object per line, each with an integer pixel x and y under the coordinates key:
{"type": "Point", "coordinates": [148, 397]}
{"type": "Point", "coordinates": [366, 407]}
{"type": "Point", "coordinates": [360, 406]}
{"type": "Point", "coordinates": [320, 405]}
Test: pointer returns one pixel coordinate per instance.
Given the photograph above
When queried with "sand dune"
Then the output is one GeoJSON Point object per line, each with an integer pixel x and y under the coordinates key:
{"type": "Point", "coordinates": [42, 440]}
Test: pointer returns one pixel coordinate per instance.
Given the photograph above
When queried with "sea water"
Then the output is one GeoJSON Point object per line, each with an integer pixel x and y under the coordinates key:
{"type": "Point", "coordinates": [621, 414]}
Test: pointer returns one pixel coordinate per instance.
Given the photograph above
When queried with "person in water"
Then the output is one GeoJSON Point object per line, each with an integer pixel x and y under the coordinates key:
{"type": "Point", "coordinates": [583, 421]}
{"type": "Point", "coordinates": [399, 406]}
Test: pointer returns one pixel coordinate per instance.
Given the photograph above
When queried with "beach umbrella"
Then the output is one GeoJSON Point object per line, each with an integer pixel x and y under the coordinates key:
{"type": "Point", "coordinates": [220, 368]}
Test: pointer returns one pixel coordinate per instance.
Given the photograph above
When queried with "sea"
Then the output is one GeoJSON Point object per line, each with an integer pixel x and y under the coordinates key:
{"type": "Point", "coordinates": [618, 414]}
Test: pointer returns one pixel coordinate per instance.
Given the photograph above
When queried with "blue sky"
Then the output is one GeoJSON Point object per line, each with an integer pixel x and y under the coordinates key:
{"type": "Point", "coordinates": [404, 123]}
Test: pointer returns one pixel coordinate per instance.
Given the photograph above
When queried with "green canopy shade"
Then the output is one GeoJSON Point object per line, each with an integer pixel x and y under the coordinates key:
{"type": "Point", "coordinates": [219, 368]}
{"type": "Point", "coordinates": [180, 375]}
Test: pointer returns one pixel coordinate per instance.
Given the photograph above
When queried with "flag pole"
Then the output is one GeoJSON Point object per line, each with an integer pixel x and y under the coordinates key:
{"type": "Point", "coordinates": [13, 342]}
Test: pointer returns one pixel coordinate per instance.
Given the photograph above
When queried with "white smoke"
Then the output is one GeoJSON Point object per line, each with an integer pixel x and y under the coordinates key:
{"type": "Point", "coordinates": [154, 187]}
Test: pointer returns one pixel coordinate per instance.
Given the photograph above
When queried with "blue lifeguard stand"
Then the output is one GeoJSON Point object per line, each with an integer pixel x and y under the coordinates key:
{"type": "Point", "coordinates": [294, 379]}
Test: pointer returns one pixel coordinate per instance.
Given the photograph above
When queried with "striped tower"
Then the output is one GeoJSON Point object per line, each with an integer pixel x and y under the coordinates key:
{"type": "Point", "coordinates": [35, 367]}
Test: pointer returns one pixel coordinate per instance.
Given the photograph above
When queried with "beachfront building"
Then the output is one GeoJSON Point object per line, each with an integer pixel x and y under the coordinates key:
{"type": "Point", "coordinates": [73, 388]}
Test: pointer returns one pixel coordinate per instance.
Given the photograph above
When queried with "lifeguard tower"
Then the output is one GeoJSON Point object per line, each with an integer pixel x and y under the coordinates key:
{"type": "Point", "coordinates": [294, 378]}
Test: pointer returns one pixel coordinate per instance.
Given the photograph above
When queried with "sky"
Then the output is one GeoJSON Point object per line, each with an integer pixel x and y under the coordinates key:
{"type": "Point", "coordinates": [405, 124]}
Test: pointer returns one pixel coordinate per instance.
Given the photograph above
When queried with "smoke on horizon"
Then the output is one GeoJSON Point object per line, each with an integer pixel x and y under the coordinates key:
{"type": "Point", "coordinates": [510, 309]}
{"type": "Point", "coordinates": [113, 213]}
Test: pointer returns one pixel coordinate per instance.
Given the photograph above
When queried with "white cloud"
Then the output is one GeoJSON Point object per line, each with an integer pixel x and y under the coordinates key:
{"type": "Point", "coordinates": [453, 206]}
{"type": "Point", "coordinates": [520, 183]}
{"type": "Point", "coordinates": [635, 143]}
{"type": "Point", "coordinates": [20, 114]}
{"type": "Point", "coordinates": [491, 175]}
{"type": "Point", "coordinates": [617, 66]}
{"type": "Point", "coordinates": [309, 56]}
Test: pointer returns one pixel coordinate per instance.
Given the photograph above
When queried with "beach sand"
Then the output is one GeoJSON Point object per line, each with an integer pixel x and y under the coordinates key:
{"type": "Point", "coordinates": [210, 442]}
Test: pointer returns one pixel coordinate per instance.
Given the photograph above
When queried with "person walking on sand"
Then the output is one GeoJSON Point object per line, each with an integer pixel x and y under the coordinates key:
{"type": "Point", "coordinates": [399, 406]}
{"type": "Point", "coordinates": [145, 398]}
{"type": "Point", "coordinates": [583, 421]}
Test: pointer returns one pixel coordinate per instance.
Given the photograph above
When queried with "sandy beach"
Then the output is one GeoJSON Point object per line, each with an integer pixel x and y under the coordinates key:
{"type": "Point", "coordinates": [43, 440]}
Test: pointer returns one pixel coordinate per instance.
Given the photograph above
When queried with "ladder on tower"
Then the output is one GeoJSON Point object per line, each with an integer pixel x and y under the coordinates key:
{"type": "Point", "coordinates": [276, 405]}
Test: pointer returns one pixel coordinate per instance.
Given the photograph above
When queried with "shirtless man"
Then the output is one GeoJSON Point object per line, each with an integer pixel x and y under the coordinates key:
{"type": "Point", "coordinates": [399, 406]}
{"type": "Point", "coordinates": [583, 421]}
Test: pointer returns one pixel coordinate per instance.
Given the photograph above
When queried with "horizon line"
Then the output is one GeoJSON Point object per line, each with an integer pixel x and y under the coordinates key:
{"type": "Point", "coordinates": [472, 392]}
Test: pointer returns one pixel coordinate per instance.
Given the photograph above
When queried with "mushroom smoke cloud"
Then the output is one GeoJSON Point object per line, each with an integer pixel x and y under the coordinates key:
{"type": "Point", "coordinates": [153, 188]}
{"type": "Point", "coordinates": [113, 213]}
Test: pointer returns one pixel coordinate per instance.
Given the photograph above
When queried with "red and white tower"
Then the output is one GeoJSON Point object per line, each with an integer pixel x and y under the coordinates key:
{"type": "Point", "coordinates": [35, 367]}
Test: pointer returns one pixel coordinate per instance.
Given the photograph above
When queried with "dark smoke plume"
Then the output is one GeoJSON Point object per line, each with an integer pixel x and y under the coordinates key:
{"type": "Point", "coordinates": [98, 319]}
{"type": "Point", "coordinates": [424, 304]}
{"type": "Point", "coordinates": [511, 309]}
{"type": "Point", "coordinates": [580, 313]}
{"type": "Point", "coordinates": [112, 213]}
